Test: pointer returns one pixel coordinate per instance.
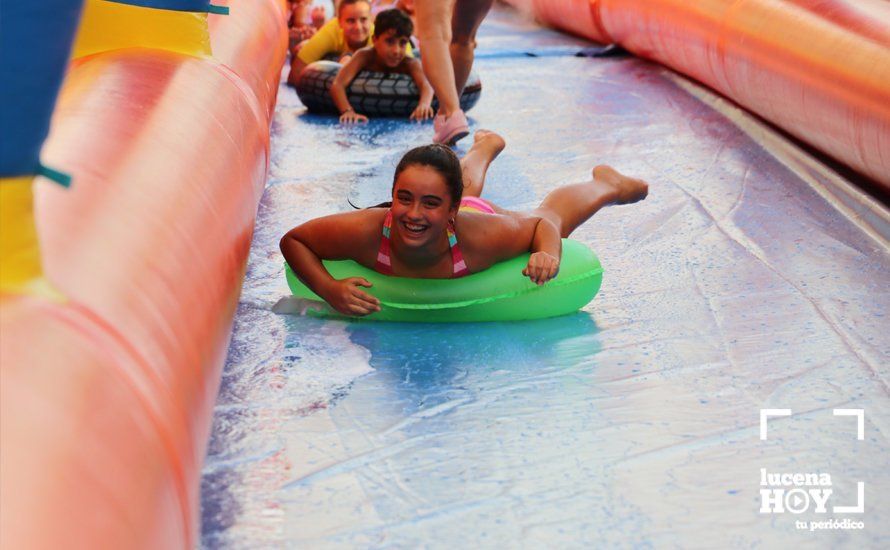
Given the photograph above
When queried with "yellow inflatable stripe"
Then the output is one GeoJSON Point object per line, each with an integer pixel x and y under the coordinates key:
{"type": "Point", "coordinates": [109, 26]}
{"type": "Point", "coordinates": [20, 269]}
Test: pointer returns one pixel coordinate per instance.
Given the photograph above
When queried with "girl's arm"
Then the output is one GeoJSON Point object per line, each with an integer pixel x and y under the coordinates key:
{"type": "Point", "coordinates": [334, 237]}
{"type": "Point", "coordinates": [493, 238]}
{"type": "Point", "coordinates": [424, 109]}
{"type": "Point", "coordinates": [345, 77]}
{"type": "Point", "coordinates": [546, 251]}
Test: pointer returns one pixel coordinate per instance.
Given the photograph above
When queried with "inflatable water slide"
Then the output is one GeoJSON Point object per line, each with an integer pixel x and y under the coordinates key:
{"type": "Point", "coordinates": [817, 69]}
{"type": "Point", "coordinates": [114, 329]}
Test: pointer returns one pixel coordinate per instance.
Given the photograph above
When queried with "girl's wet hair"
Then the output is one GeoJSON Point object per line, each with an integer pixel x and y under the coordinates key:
{"type": "Point", "coordinates": [441, 159]}
{"type": "Point", "coordinates": [438, 157]}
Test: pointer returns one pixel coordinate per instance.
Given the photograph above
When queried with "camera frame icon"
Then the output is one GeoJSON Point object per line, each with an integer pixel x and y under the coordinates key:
{"type": "Point", "coordinates": [773, 500]}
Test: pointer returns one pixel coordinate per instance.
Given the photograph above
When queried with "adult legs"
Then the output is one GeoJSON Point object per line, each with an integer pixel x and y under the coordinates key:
{"type": "Point", "coordinates": [571, 205]}
{"type": "Point", "coordinates": [434, 31]}
{"type": "Point", "coordinates": [465, 21]}
{"type": "Point", "coordinates": [487, 145]}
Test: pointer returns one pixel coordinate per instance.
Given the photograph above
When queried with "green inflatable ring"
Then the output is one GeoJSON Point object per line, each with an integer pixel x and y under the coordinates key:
{"type": "Point", "coordinates": [500, 293]}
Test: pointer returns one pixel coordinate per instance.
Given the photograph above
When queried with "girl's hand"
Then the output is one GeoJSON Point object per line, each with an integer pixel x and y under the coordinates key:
{"type": "Point", "coordinates": [422, 112]}
{"type": "Point", "coordinates": [346, 297]}
{"type": "Point", "coordinates": [351, 117]}
{"type": "Point", "coordinates": [541, 267]}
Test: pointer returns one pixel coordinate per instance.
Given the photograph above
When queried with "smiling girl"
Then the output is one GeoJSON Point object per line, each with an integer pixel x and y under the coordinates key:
{"type": "Point", "coordinates": [438, 227]}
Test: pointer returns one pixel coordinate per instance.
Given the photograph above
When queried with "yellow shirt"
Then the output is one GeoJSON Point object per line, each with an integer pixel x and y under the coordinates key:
{"type": "Point", "coordinates": [330, 40]}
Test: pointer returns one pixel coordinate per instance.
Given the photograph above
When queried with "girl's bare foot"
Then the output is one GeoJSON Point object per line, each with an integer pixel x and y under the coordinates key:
{"type": "Point", "coordinates": [487, 145]}
{"type": "Point", "coordinates": [627, 190]}
{"type": "Point", "coordinates": [490, 141]}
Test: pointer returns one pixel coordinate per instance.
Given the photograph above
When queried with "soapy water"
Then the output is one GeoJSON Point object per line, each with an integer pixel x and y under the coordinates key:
{"type": "Point", "coordinates": [738, 285]}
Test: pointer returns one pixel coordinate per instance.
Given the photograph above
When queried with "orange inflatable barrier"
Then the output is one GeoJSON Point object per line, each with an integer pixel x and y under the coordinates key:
{"type": "Point", "coordinates": [819, 69]}
{"type": "Point", "coordinates": [240, 43]}
{"type": "Point", "coordinates": [107, 396]}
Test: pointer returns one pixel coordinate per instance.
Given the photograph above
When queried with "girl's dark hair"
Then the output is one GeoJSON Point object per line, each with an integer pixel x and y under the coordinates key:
{"type": "Point", "coordinates": [438, 157]}
{"type": "Point", "coordinates": [441, 159]}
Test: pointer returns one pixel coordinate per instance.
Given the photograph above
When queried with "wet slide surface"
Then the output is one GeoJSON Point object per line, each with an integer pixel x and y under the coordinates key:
{"type": "Point", "coordinates": [738, 285]}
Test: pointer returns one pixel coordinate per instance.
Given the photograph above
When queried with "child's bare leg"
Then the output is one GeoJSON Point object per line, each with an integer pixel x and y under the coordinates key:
{"type": "Point", "coordinates": [487, 145]}
{"type": "Point", "coordinates": [571, 205]}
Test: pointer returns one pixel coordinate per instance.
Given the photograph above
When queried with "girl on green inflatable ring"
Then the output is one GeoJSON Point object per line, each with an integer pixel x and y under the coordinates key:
{"type": "Point", "coordinates": [437, 227]}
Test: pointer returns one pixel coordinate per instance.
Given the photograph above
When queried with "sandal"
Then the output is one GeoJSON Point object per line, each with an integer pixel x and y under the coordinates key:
{"type": "Point", "coordinates": [450, 130]}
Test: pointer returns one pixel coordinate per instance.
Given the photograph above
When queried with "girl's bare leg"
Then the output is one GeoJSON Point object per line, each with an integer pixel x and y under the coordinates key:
{"type": "Point", "coordinates": [487, 145]}
{"type": "Point", "coordinates": [568, 206]}
{"type": "Point", "coordinates": [571, 205]}
{"type": "Point", "coordinates": [465, 21]}
{"type": "Point", "coordinates": [434, 31]}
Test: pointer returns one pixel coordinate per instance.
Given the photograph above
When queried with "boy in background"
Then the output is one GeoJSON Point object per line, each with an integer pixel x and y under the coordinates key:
{"type": "Point", "coordinates": [387, 54]}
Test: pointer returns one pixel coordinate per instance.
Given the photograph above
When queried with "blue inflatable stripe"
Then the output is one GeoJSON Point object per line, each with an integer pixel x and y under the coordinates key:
{"type": "Point", "coordinates": [52, 174]}
{"type": "Point", "coordinates": [203, 6]}
{"type": "Point", "coordinates": [34, 49]}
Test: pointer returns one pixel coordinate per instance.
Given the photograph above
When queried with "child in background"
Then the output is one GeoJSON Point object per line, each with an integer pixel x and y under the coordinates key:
{"type": "Point", "coordinates": [318, 16]}
{"type": "Point", "coordinates": [299, 27]}
{"type": "Point", "coordinates": [388, 54]}
{"type": "Point", "coordinates": [406, 6]}
{"type": "Point", "coordinates": [341, 36]}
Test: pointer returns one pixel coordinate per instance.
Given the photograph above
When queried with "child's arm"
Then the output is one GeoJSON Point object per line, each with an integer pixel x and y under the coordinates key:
{"type": "Point", "coordinates": [492, 238]}
{"type": "Point", "coordinates": [347, 74]}
{"type": "Point", "coordinates": [331, 237]}
{"type": "Point", "coordinates": [424, 110]}
{"type": "Point", "coordinates": [546, 249]}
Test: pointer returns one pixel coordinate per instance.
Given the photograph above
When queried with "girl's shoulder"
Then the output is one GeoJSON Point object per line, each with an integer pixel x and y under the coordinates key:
{"type": "Point", "coordinates": [356, 225]}
{"type": "Point", "coordinates": [366, 220]}
{"type": "Point", "coordinates": [478, 235]}
{"type": "Point", "coordinates": [373, 219]}
{"type": "Point", "coordinates": [486, 239]}
{"type": "Point", "coordinates": [368, 233]}
{"type": "Point", "coordinates": [347, 235]}
{"type": "Point", "coordinates": [481, 228]}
